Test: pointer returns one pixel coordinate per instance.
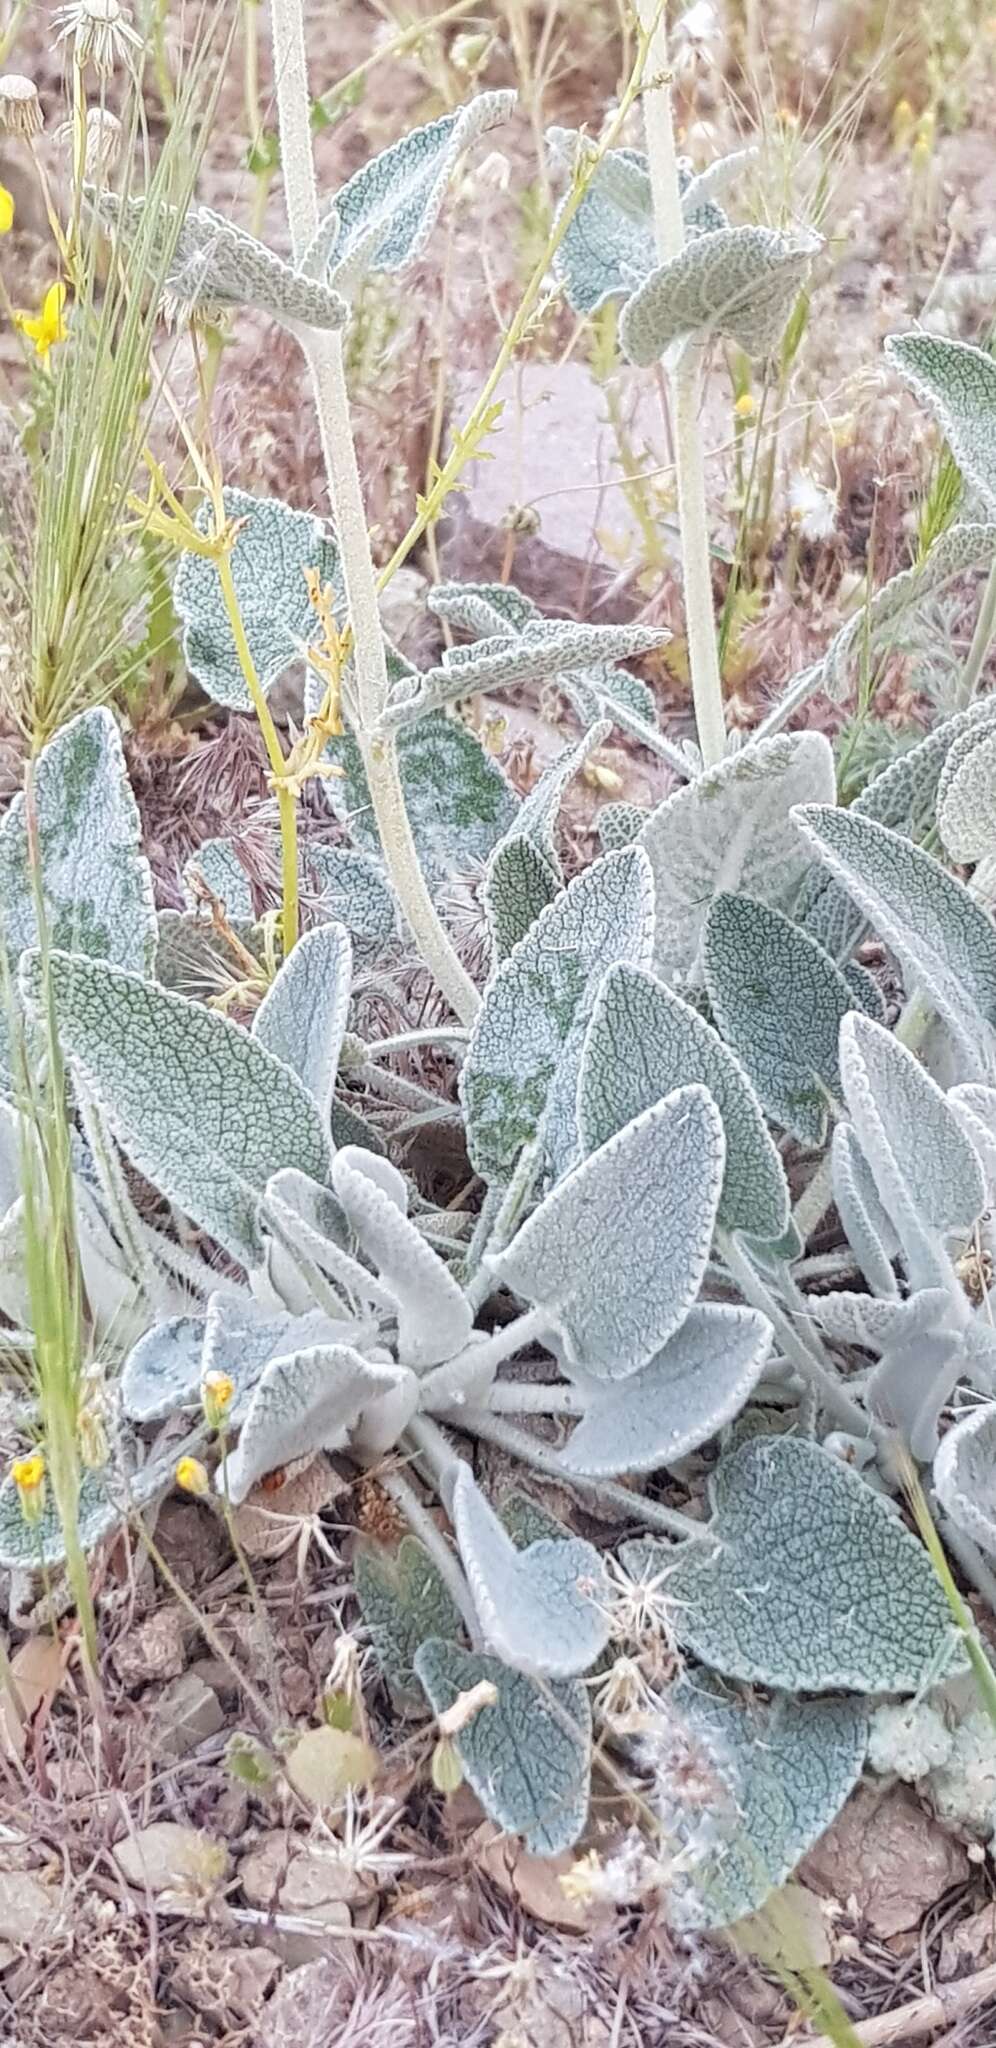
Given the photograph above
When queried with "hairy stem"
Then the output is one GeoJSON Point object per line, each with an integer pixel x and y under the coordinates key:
{"type": "Point", "coordinates": [634, 1506]}
{"type": "Point", "coordinates": [685, 383]}
{"type": "Point", "coordinates": [432, 1539]}
{"type": "Point", "coordinates": [982, 639]}
{"type": "Point", "coordinates": [811, 1368]}
{"type": "Point", "coordinates": [286, 799]}
{"type": "Point", "coordinates": [324, 356]}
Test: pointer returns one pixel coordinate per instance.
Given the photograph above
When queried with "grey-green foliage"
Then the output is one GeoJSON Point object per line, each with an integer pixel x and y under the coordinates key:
{"type": "Point", "coordinates": [779, 1001]}
{"type": "Point", "coordinates": [352, 888]}
{"type": "Point", "coordinates": [197, 1104]}
{"type": "Point", "coordinates": [538, 1607]}
{"type": "Point", "coordinates": [967, 545]}
{"type": "Point", "coordinates": [542, 648]}
{"type": "Point", "coordinates": [106, 1499]}
{"type": "Point", "coordinates": [302, 1018]}
{"type": "Point", "coordinates": [958, 382]}
{"type": "Point", "coordinates": [217, 867]}
{"type": "Point", "coordinates": [381, 219]}
{"type": "Point", "coordinates": [307, 1401]}
{"type": "Point", "coordinates": [609, 246]}
{"type": "Point", "coordinates": [965, 1475]}
{"type": "Point", "coordinates": [966, 797]}
{"type": "Point", "coordinates": [642, 1043]}
{"type": "Point", "coordinates": [209, 264]}
{"type": "Point", "coordinates": [273, 548]}
{"type": "Point", "coordinates": [807, 1580]}
{"type": "Point", "coordinates": [941, 936]}
{"type": "Point", "coordinates": [738, 282]}
{"type": "Point", "coordinates": [527, 1756]}
{"type": "Point", "coordinates": [647, 1198]}
{"type": "Point", "coordinates": [732, 829]}
{"type": "Point", "coordinates": [459, 802]}
{"type": "Point", "coordinates": [526, 1044]}
{"type": "Point", "coordinates": [778, 1775]}
{"type": "Point", "coordinates": [404, 1601]}
{"type": "Point", "coordinates": [700, 1379]}
{"type": "Point", "coordinates": [520, 882]}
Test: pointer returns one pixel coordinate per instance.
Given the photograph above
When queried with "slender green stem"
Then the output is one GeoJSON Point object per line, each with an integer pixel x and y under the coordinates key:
{"type": "Point", "coordinates": [685, 380]}
{"type": "Point", "coordinates": [982, 639]}
{"type": "Point", "coordinates": [286, 799]}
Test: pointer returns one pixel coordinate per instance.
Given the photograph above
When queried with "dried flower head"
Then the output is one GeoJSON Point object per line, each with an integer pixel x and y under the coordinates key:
{"type": "Point", "coordinates": [20, 107]}
{"type": "Point", "coordinates": [28, 1475]}
{"type": "Point", "coordinates": [103, 142]}
{"type": "Point", "coordinates": [101, 31]}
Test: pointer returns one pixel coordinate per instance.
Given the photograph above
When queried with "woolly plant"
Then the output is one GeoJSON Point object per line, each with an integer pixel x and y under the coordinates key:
{"type": "Point", "coordinates": [656, 1044]}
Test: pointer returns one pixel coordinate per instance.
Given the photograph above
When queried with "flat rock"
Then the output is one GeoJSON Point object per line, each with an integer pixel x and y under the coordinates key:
{"type": "Point", "coordinates": [885, 1860]}
{"type": "Point", "coordinates": [281, 1875]}
{"type": "Point", "coordinates": [968, 1945]}
{"type": "Point", "coordinates": [154, 1649]}
{"type": "Point", "coordinates": [28, 1907]}
{"type": "Point", "coordinates": [168, 1857]}
{"type": "Point", "coordinates": [186, 1713]}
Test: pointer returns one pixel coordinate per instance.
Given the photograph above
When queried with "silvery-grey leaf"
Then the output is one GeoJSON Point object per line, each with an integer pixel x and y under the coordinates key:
{"type": "Point", "coordinates": [778, 1000]}
{"type": "Point", "coordinates": [537, 816]}
{"type": "Point", "coordinates": [912, 1385]}
{"type": "Point", "coordinates": [194, 958]}
{"type": "Point", "coordinates": [619, 824]}
{"type": "Point", "coordinates": [780, 1774]}
{"type": "Point", "coordinates": [302, 1017]}
{"type": "Point", "coordinates": [201, 1109]}
{"type": "Point", "coordinates": [609, 244]}
{"type": "Point", "coordinates": [731, 829]}
{"type": "Point", "coordinates": [434, 1317]}
{"type": "Point", "coordinates": [975, 1107]}
{"type": "Point", "coordinates": [941, 937]}
{"type": "Point", "coordinates": [874, 1324]}
{"type": "Point", "coordinates": [537, 1607]}
{"type": "Point", "coordinates": [354, 891]}
{"type": "Point", "coordinates": [865, 991]}
{"type": "Point", "coordinates": [458, 801]}
{"type": "Point", "coordinates": [388, 209]}
{"type": "Point", "coordinates": [965, 1475]}
{"type": "Point", "coordinates": [925, 1168]}
{"type": "Point", "coordinates": [869, 1231]}
{"type": "Point", "coordinates": [647, 1198]}
{"type": "Point", "coordinates": [740, 282]}
{"type": "Point", "coordinates": [967, 798]}
{"type": "Point", "coordinates": [520, 882]}
{"type": "Point", "coordinates": [641, 1043]}
{"type": "Point", "coordinates": [217, 864]}
{"type": "Point", "coordinates": [904, 797]}
{"type": "Point", "coordinates": [544, 647]}
{"type": "Point", "coordinates": [206, 262]}
{"type": "Point", "coordinates": [309, 1218]}
{"type": "Point", "coordinates": [96, 885]}
{"type": "Point", "coordinates": [241, 1339]}
{"type": "Point", "coordinates": [602, 692]}
{"type": "Point", "coordinates": [106, 1498]}
{"type": "Point", "coordinates": [699, 1381]}
{"type": "Point", "coordinates": [403, 1601]}
{"type": "Point", "coordinates": [163, 1371]}
{"type": "Point", "coordinates": [531, 1024]}
{"type": "Point", "coordinates": [810, 1583]}
{"type": "Point", "coordinates": [304, 1401]}
{"type": "Point", "coordinates": [273, 548]}
{"type": "Point", "coordinates": [485, 609]}
{"type": "Point", "coordinates": [958, 382]}
{"type": "Point", "coordinates": [967, 545]}
{"type": "Point", "coordinates": [528, 1756]}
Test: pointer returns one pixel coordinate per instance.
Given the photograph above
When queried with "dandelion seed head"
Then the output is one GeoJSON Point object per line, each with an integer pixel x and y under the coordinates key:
{"type": "Point", "coordinates": [101, 33]}
{"type": "Point", "coordinates": [20, 107]}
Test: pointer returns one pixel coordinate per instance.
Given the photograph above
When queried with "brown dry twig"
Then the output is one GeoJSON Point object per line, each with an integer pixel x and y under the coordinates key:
{"type": "Point", "coordinates": [943, 2007]}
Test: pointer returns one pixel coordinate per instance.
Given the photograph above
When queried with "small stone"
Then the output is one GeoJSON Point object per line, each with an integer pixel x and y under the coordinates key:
{"type": "Point", "coordinates": [281, 1875]}
{"type": "Point", "coordinates": [186, 1713]}
{"type": "Point", "coordinates": [227, 1985]}
{"type": "Point", "coordinates": [168, 1857]}
{"type": "Point", "coordinates": [28, 1907]}
{"type": "Point", "coordinates": [885, 1860]}
{"type": "Point", "coordinates": [152, 1650]}
{"type": "Point", "coordinates": [968, 1945]}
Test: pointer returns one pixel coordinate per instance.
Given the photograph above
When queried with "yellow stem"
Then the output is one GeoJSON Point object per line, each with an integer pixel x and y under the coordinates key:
{"type": "Point", "coordinates": [286, 799]}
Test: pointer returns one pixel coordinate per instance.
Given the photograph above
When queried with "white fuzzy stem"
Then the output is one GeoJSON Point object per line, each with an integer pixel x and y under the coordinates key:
{"type": "Point", "coordinates": [324, 356]}
{"type": "Point", "coordinates": [685, 382]}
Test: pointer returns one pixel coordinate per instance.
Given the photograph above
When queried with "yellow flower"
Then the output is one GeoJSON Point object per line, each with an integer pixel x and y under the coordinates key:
{"type": "Point", "coordinates": [28, 1475]}
{"type": "Point", "coordinates": [746, 406]}
{"type": "Point", "coordinates": [192, 1477]}
{"type": "Point", "coordinates": [217, 1392]}
{"type": "Point", "coordinates": [48, 326]}
{"type": "Point", "coordinates": [6, 211]}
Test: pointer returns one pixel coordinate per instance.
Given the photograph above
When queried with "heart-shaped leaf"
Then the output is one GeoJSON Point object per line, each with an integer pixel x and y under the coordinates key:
{"type": "Point", "coordinates": [608, 245]}
{"type": "Point", "coordinates": [528, 1755]}
{"type": "Point", "coordinates": [537, 1607]}
{"type": "Point", "coordinates": [198, 1106]}
{"type": "Point", "coordinates": [942, 938]}
{"type": "Point", "coordinates": [740, 282]}
{"type": "Point", "coordinates": [698, 1382]}
{"type": "Point", "coordinates": [163, 1371]}
{"type": "Point", "coordinates": [241, 1338]}
{"type": "Point", "coordinates": [434, 1317]}
{"type": "Point", "coordinates": [647, 1199]}
{"type": "Point", "coordinates": [403, 1600]}
{"type": "Point", "coordinates": [642, 1043]}
{"type": "Point", "coordinates": [531, 1025]}
{"type": "Point", "coordinates": [958, 382]}
{"type": "Point", "coordinates": [810, 1582]}
{"type": "Point", "coordinates": [302, 1017]}
{"type": "Point", "coordinates": [206, 261]}
{"type": "Point", "coordinates": [306, 1401]}
{"type": "Point", "coordinates": [778, 1000]}
{"type": "Point", "coordinates": [780, 1774]}
{"type": "Point", "coordinates": [731, 829]}
{"type": "Point", "coordinates": [273, 549]}
{"type": "Point", "coordinates": [388, 209]}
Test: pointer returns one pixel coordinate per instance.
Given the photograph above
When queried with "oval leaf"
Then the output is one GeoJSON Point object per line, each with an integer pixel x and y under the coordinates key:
{"type": "Point", "coordinates": [528, 1756]}
{"type": "Point", "coordinates": [698, 1382]}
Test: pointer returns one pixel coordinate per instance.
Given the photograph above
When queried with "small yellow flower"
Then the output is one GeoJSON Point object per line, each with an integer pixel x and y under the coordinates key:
{"type": "Point", "coordinates": [217, 1394]}
{"type": "Point", "coordinates": [746, 406]}
{"type": "Point", "coordinates": [48, 326]}
{"type": "Point", "coordinates": [581, 1882]}
{"type": "Point", "coordinates": [6, 211]}
{"type": "Point", "coordinates": [192, 1477]}
{"type": "Point", "coordinates": [28, 1475]}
